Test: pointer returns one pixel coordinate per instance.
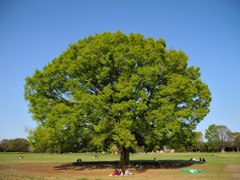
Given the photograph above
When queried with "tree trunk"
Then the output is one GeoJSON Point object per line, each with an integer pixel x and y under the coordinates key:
{"type": "Point", "coordinates": [124, 156]}
{"type": "Point", "coordinates": [222, 149]}
{"type": "Point", "coordinates": [237, 149]}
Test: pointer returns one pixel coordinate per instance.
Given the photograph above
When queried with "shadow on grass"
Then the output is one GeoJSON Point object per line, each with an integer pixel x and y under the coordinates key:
{"type": "Point", "coordinates": [145, 164]}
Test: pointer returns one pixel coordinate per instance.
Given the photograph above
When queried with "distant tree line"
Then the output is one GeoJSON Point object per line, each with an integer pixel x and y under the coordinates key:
{"type": "Point", "coordinates": [219, 139]}
{"type": "Point", "coordinates": [14, 145]}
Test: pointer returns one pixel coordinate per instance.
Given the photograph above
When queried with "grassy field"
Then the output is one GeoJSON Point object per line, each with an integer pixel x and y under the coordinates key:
{"type": "Point", "coordinates": [221, 166]}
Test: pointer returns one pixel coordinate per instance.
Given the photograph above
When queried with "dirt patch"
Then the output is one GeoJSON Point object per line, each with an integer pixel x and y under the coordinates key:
{"type": "Point", "coordinates": [234, 169]}
{"type": "Point", "coordinates": [90, 169]}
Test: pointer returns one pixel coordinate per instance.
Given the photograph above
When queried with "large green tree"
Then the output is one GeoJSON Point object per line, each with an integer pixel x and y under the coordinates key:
{"type": "Point", "coordinates": [117, 89]}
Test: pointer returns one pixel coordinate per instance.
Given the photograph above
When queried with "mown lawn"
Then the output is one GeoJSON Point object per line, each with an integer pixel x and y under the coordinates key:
{"type": "Point", "coordinates": [221, 166]}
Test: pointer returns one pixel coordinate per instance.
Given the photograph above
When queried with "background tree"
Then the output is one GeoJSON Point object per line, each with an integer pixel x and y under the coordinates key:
{"type": "Point", "coordinates": [200, 145]}
{"type": "Point", "coordinates": [14, 145]}
{"type": "Point", "coordinates": [230, 141]}
{"type": "Point", "coordinates": [237, 140]}
{"type": "Point", "coordinates": [4, 145]}
{"type": "Point", "coordinates": [124, 90]}
{"type": "Point", "coordinates": [199, 136]}
{"type": "Point", "coordinates": [11, 146]}
{"type": "Point", "coordinates": [20, 145]}
{"type": "Point", "coordinates": [218, 136]}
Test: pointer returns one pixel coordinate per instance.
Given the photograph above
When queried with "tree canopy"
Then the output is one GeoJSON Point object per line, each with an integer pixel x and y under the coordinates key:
{"type": "Point", "coordinates": [218, 136]}
{"type": "Point", "coordinates": [117, 89]}
{"type": "Point", "coordinates": [237, 141]}
{"type": "Point", "coordinates": [14, 145]}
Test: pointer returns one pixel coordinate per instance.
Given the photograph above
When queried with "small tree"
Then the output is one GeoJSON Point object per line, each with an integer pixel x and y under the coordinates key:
{"type": "Point", "coordinates": [218, 136]}
{"type": "Point", "coordinates": [4, 145]}
{"type": "Point", "coordinates": [199, 143]}
{"type": "Point", "coordinates": [20, 145]}
{"type": "Point", "coordinates": [11, 146]}
{"type": "Point", "coordinates": [237, 141]}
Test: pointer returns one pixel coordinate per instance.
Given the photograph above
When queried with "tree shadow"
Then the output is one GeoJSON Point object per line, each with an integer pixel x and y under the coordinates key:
{"type": "Point", "coordinates": [143, 165]}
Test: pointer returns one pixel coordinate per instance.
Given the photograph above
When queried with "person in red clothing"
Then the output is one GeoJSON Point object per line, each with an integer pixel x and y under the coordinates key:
{"type": "Point", "coordinates": [116, 173]}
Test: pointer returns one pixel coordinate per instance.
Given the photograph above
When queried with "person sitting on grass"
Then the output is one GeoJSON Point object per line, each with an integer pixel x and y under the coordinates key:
{"type": "Point", "coordinates": [138, 166]}
{"type": "Point", "coordinates": [157, 162]}
{"type": "Point", "coordinates": [116, 173]}
{"type": "Point", "coordinates": [121, 173]}
{"type": "Point", "coordinates": [20, 156]}
{"type": "Point", "coordinates": [79, 161]}
{"type": "Point", "coordinates": [127, 173]}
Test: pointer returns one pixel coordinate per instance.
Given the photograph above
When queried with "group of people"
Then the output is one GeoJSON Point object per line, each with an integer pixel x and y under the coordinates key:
{"type": "Point", "coordinates": [200, 159]}
{"type": "Point", "coordinates": [121, 172]}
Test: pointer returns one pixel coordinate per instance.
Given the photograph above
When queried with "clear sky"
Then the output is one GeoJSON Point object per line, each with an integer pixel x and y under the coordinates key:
{"type": "Point", "coordinates": [32, 33]}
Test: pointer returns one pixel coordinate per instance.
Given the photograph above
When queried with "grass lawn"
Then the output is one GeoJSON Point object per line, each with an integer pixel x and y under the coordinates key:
{"type": "Point", "coordinates": [60, 166]}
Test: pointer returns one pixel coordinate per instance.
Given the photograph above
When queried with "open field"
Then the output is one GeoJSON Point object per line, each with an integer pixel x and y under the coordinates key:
{"type": "Point", "coordinates": [50, 167]}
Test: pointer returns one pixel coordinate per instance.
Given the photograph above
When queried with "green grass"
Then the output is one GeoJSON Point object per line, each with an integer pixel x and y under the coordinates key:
{"type": "Point", "coordinates": [214, 168]}
{"type": "Point", "coordinates": [49, 157]}
{"type": "Point", "coordinates": [219, 159]}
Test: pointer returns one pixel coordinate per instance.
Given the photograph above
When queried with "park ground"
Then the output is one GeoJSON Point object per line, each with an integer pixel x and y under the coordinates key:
{"type": "Point", "coordinates": [61, 166]}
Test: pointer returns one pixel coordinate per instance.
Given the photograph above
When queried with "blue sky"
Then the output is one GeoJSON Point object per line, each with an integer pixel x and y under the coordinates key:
{"type": "Point", "coordinates": [32, 33]}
